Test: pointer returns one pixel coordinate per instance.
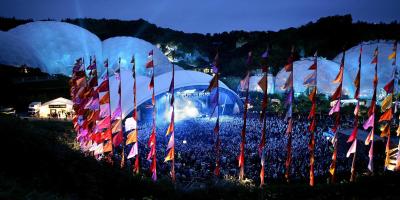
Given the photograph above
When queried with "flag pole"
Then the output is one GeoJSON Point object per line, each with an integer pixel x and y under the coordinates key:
{"type": "Point", "coordinates": [263, 118]}
{"type": "Point", "coordinates": [289, 116]}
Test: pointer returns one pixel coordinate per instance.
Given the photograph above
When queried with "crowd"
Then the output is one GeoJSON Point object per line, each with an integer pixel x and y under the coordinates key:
{"type": "Point", "coordinates": [195, 153]}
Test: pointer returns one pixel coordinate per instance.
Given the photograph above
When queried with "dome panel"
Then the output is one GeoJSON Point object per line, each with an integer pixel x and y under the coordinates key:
{"type": "Point", "coordinates": [58, 44]}
{"type": "Point", "coordinates": [385, 69]}
{"type": "Point", "coordinates": [126, 47]}
{"type": "Point", "coordinates": [327, 71]}
{"type": "Point", "coordinates": [16, 52]}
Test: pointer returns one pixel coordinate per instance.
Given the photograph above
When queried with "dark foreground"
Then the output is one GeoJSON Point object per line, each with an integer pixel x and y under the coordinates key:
{"type": "Point", "coordinates": [40, 161]}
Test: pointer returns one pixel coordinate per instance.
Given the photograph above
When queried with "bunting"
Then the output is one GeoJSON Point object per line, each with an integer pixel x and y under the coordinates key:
{"type": "Point", "coordinates": [371, 113]}
{"type": "Point", "coordinates": [336, 111]}
{"type": "Point", "coordinates": [133, 136]}
{"type": "Point", "coordinates": [312, 116]}
{"type": "Point", "coordinates": [245, 85]}
{"type": "Point", "coordinates": [152, 139]}
{"type": "Point", "coordinates": [213, 88]}
{"type": "Point", "coordinates": [353, 136]}
{"type": "Point", "coordinates": [171, 130]}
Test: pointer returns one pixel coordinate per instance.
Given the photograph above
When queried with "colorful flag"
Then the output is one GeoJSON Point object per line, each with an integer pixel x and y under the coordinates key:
{"type": "Point", "coordinates": [339, 76]}
{"type": "Point", "coordinates": [352, 149]}
{"type": "Point", "coordinates": [170, 155]}
{"type": "Point", "coordinates": [104, 123]}
{"type": "Point", "coordinates": [105, 98]}
{"type": "Point", "coordinates": [369, 122]}
{"type": "Point", "coordinates": [117, 113]}
{"type": "Point", "coordinates": [134, 151]}
{"type": "Point", "coordinates": [385, 130]}
{"type": "Point", "coordinates": [244, 83]}
{"type": "Point", "coordinates": [107, 147]}
{"type": "Point", "coordinates": [103, 87]}
{"type": "Point", "coordinates": [389, 86]}
{"type": "Point", "coordinates": [375, 58]}
{"type": "Point", "coordinates": [131, 137]}
{"type": "Point", "coordinates": [338, 93]}
{"type": "Point", "coordinates": [288, 83]}
{"type": "Point", "coordinates": [213, 83]}
{"type": "Point", "coordinates": [335, 108]}
{"type": "Point", "coordinates": [386, 116]}
{"type": "Point", "coordinates": [387, 102]}
{"type": "Point", "coordinates": [263, 83]}
{"type": "Point", "coordinates": [310, 80]}
{"type": "Point", "coordinates": [117, 138]}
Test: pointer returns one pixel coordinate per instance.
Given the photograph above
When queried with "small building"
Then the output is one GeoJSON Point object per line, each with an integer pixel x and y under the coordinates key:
{"type": "Point", "coordinates": [58, 108]}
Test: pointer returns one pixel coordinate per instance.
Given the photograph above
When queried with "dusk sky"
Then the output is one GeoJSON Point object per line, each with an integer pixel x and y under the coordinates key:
{"type": "Point", "coordinates": [207, 16]}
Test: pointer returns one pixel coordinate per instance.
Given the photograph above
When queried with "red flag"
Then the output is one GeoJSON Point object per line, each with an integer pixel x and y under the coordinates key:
{"type": "Point", "coordinates": [389, 86]}
{"type": "Point", "coordinates": [338, 93]}
{"type": "Point", "coordinates": [151, 84]}
{"type": "Point", "coordinates": [213, 83]}
{"type": "Point", "coordinates": [117, 138]}
{"type": "Point", "coordinates": [375, 59]}
{"type": "Point", "coordinates": [103, 87]}
{"type": "Point", "coordinates": [150, 64]}
{"type": "Point", "coordinates": [353, 134]}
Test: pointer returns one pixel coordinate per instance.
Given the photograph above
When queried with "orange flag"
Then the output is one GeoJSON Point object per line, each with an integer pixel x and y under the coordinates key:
{"type": "Point", "coordinates": [385, 131]}
{"type": "Point", "coordinates": [107, 147]}
{"type": "Point", "coordinates": [105, 98]}
{"type": "Point", "coordinates": [337, 93]}
{"type": "Point", "coordinates": [171, 155]}
{"type": "Point", "coordinates": [339, 77]}
{"type": "Point", "coordinates": [131, 137]}
{"type": "Point", "coordinates": [387, 116]}
{"type": "Point", "coordinates": [170, 128]}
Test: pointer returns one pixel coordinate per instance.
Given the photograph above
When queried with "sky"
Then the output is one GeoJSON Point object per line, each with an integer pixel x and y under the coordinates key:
{"type": "Point", "coordinates": [207, 16]}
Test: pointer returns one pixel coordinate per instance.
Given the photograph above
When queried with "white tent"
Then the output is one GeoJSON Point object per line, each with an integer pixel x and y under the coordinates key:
{"type": "Point", "coordinates": [57, 108]}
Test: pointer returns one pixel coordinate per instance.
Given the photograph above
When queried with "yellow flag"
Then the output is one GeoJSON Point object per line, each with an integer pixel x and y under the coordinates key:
{"type": "Point", "coordinates": [398, 131]}
{"type": "Point", "coordinates": [131, 137]}
{"type": "Point", "coordinates": [392, 55]}
{"type": "Point", "coordinates": [171, 155]}
{"type": "Point", "coordinates": [385, 131]}
{"type": "Point", "coordinates": [387, 102]}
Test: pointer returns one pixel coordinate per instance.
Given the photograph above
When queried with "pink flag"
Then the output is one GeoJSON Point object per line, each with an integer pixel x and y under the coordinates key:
{"type": "Point", "coordinates": [171, 142]}
{"type": "Point", "coordinates": [244, 84]}
{"type": "Point", "coordinates": [371, 157]}
{"type": "Point", "coordinates": [357, 109]}
{"type": "Point", "coordinates": [104, 123]}
{"type": "Point", "coordinates": [352, 148]}
{"type": "Point", "coordinates": [369, 122]}
{"type": "Point", "coordinates": [117, 113]}
{"type": "Point", "coordinates": [335, 108]}
{"type": "Point", "coordinates": [370, 137]}
{"type": "Point", "coordinates": [134, 151]}
{"type": "Point", "coordinates": [353, 134]}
